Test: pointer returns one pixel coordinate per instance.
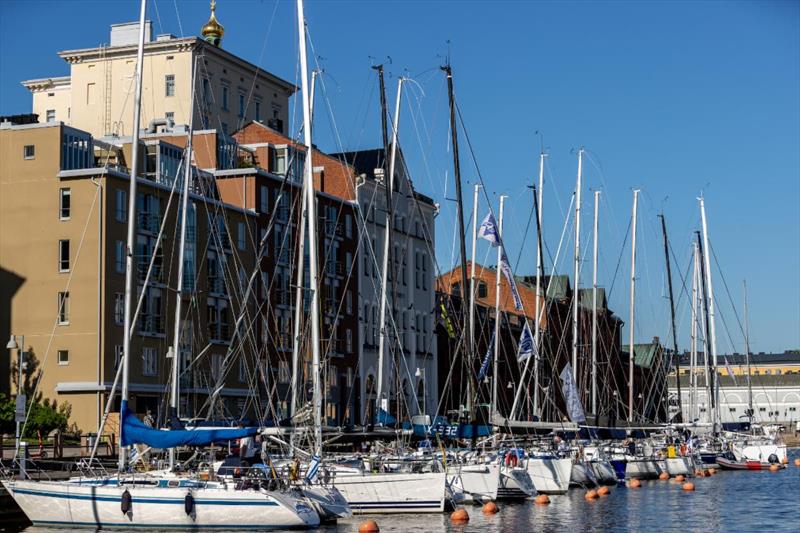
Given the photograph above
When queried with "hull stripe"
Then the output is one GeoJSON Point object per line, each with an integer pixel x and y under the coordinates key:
{"type": "Point", "coordinates": [140, 499]}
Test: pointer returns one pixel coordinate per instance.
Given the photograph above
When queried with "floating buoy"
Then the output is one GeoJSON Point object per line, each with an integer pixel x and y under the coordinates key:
{"type": "Point", "coordinates": [126, 502]}
{"type": "Point", "coordinates": [712, 471]}
{"type": "Point", "coordinates": [635, 484]}
{"type": "Point", "coordinates": [797, 462]}
{"type": "Point", "coordinates": [774, 468]}
{"type": "Point", "coordinates": [591, 494]}
{"type": "Point", "coordinates": [188, 503]}
{"type": "Point", "coordinates": [370, 526]}
{"type": "Point", "coordinates": [663, 476]}
{"type": "Point", "coordinates": [542, 499]}
{"type": "Point", "coordinates": [603, 491]}
{"type": "Point", "coordinates": [688, 486]}
{"type": "Point", "coordinates": [459, 516]}
{"type": "Point", "coordinates": [489, 508]}
{"type": "Point", "coordinates": [680, 478]}
{"type": "Point", "coordinates": [698, 473]}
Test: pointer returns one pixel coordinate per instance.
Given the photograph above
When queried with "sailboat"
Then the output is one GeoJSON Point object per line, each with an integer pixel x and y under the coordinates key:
{"type": "Point", "coordinates": [126, 499]}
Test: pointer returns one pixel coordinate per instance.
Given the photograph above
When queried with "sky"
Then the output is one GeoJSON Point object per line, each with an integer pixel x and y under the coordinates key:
{"type": "Point", "coordinates": [677, 99]}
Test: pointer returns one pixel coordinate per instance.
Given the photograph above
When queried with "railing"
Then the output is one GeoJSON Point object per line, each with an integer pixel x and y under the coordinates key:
{"type": "Point", "coordinates": [219, 332]}
{"type": "Point", "coordinates": [216, 285]}
{"type": "Point", "coordinates": [333, 228]}
{"type": "Point", "coordinates": [156, 274]}
{"type": "Point", "coordinates": [282, 214]}
{"type": "Point", "coordinates": [153, 324]}
{"type": "Point", "coordinates": [149, 222]}
{"type": "Point", "coordinates": [334, 268]}
{"type": "Point", "coordinates": [283, 297]}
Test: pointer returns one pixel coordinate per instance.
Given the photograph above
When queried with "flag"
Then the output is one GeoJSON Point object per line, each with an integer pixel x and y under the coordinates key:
{"type": "Point", "coordinates": [313, 468]}
{"type": "Point", "coordinates": [526, 346]}
{"type": "Point", "coordinates": [574, 407]}
{"type": "Point", "coordinates": [505, 268]}
{"type": "Point", "coordinates": [446, 322]}
{"type": "Point", "coordinates": [730, 371]}
{"type": "Point", "coordinates": [485, 365]}
{"type": "Point", "coordinates": [488, 230]}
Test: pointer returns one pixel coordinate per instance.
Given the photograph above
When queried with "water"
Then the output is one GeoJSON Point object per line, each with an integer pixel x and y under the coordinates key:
{"type": "Point", "coordinates": [728, 501]}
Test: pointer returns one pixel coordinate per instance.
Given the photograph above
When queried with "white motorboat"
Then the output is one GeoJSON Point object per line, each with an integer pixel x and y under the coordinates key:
{"type": "Point", "coordinates": [412, 492]}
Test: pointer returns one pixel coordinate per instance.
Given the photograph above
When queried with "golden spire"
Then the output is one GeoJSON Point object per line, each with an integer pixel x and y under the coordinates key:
{"type": "Point", "coordinates": [213, 31]}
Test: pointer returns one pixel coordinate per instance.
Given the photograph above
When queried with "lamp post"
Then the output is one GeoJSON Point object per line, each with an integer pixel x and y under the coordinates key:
{"type": "Point", "coordinates": [12, 344]}
{"type": "Point", "coordinates": [421, 373]}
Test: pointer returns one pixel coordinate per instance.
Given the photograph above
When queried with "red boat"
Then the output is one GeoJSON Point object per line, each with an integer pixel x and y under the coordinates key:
{"type": "Point", "coordinates": [729, 462]}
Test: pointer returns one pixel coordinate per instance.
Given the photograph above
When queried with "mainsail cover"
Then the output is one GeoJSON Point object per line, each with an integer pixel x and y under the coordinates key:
{"type": "Point", "coordinates": [134, 431]}
{"type": "Point", "coordinates": [571, 395]}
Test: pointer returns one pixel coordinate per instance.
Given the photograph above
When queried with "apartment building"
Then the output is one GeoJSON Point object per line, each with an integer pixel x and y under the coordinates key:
{"type": "Point", "coordinates": [63, 223]}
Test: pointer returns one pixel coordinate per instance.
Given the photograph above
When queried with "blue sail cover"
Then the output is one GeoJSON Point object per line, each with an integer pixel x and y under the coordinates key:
{"type": "Point", "coordinates": [134, 431]}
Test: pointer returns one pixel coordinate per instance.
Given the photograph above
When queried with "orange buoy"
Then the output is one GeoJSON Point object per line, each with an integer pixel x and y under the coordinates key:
{"type": "Point", "coordinates": [663, 476]}
{"type": "Point", "coordinates": [635, 484]}
{"type": "Point", "coordinates": [712, 471]}
{"type": "Point", "coordinates": [370, 526]}
{"type": "Point", "coordinates": [490, 508]}
{"type": "Point", "coordinates": [603, 491]}
{"type": "Point", "coordinates": [698, 473]}
{"type": "Point", "coordinates": [679, 478]}
{"type": "Point", "coordinates": [797, 462]}
{"type": "Point", "coordinates": [774, 468]}
{"type": "Point", "coordinates": [459, 516]}
{"type": "Point", "coordinates": [542, 499]}
{"type": "Point", "coordinates": [688, 486]}
{"type": "Point", "coordinates": [591, 494]}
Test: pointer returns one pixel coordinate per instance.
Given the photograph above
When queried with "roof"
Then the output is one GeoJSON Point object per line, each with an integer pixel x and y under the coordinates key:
{"type": "Point", "coordinates": [789, 357]}
{"type": "Point", "coordinates": [364, 161]}
{"type": "Point", "coordinates": [586, 298]}
{"type": "Point", "coordinates": [644, 355]}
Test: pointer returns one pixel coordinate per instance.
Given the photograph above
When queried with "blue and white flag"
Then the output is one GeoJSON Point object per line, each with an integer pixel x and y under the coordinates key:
{"type": "Point", "coordinates": [573, 400]}
{"type": "Point", "coordinates": [313, 468]}
{"type": "Point", "coordinates": [527, 348]}
{"type": "Point", "coordinates": [488, 230]}
{"type": "Point", "coordinates": [505, 267]}
{"type": "Point", "coordinates": [485, 365]}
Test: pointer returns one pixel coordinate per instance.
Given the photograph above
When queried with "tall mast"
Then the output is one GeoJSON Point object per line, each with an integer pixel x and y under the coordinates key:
{"type": "Point", "coordinates": [632, 303]}
{"type": "Point", "coordinates": [747, 354]}
{"type": "Point", "coordinates": [711, 378]}
{"type": "Point", "coordinates": [131, 243]}
{"type": "Point", "coordinates": [693, 348]}
{"type": "Point", "coordinates": [176, 340]}
{"type": "Point", "coordinates": [672, 316]}
{"type": "Point", "coordinates": [472, 265]}
{"type": "Point", "coordinates": [575, 298]}
{"type": "Point", "coordinates": [497, 315]}
{"type": "Point", "coordinates": [469, 351]}
{"type": "Point", "coordinates": [388, 184]}
{"type": "Point", "coordinates": [594, 305]}
{"type": "Point", "coordinates": [712, 325]}
{"type": "Point", "coordinates": [311, 210]}
{"type": "Point", "coordinates": [537, 336]}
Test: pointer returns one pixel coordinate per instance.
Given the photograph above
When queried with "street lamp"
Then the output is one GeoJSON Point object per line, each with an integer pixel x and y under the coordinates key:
{"type": "Point", "coordinates": [19, 412]}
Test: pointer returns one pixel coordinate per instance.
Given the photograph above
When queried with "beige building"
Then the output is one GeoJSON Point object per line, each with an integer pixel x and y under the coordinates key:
{"type": "Point", "coordinates": [98, 94]}
{"type": "Point", "coordinates": [63, 223]}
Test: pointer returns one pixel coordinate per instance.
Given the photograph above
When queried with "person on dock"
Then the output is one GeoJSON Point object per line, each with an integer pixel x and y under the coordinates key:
{"type": "Point", "coordinates": [148, 419]}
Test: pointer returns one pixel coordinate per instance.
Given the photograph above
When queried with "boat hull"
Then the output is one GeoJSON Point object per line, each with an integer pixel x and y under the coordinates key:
{"type": "Point", "coordinates": [73, 504]}
{"type": "Point", "coordinates": [393, 493]}
{"type": "Point", "coordinates": [642, 469]}
{"type": "Point", "coordinates": [680, 466]}
{"type": "Point", "coordinates": [515, 484]}
{"type": "Point", "coordinates": [732, 464]}
{"type": "Point", "coordinates": [582, 475]}
{"type": "Point", "coordinates": [474, 483]}
{"type": "Point", "coordinates": [550, 475]}
{"type": "Point", "coordinates": [603, 472]}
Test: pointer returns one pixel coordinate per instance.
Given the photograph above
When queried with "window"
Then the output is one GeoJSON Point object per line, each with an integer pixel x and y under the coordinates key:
{"type": "Point", "coordinates": [119, 308]}
{"type": "Point", "coordinates": [483, 291]}
{"type": "Point", "coordinates": [216, 366]}
{"type": "Point", "coordinates": [206, 91]}
{"type": "Point", "coordinates": [63, 357]}
{"type": "Point", "coordinates": [242, 370]}
{"type": "Point", "coordinates": [170, 116]}
{"type": "Point", "coordinates": [258, 111]}
{"type": "Point", "coordinates": [224, 98]}
{"type": "Point", "coordinates": [169, 85]}
{"type": "Point", "coordinates": [283, 371]}
{"type": "Point", "coordinates": [348, 338]}
{"type": "Point", "coordinates": [51, 115]}
{"type": "Point", "coordinates": [119, 257]}
{"type": "Point", "coordinates": [64, 204]}
{"type": "Point", "coordinates": [149, 362]}
{"type": "Point", "coordinates": [348, 262]}
{"type": "Point", "coordinates": [732, 409]}
{"type": "Point", "coordinates": [29, 151]}
{"type": "Point", "coordinates": [63, 255]}
{"type": "Point", "coordinates": [240, 241]}
{"type": "Point", "coordinates": [225, 128]}
{"type": "Point", "coordinates": [118, 351]}
{"type": "Point", "coordinates": [264, 199]}
{"type": "Point", "coordinates": [121, 207]}
{"type": "Point", "coordinates": [762, 409]}
{"type": "Point", "coordinates": [348, 298]}
{"type": "Point", "coordinates": [348, 226]}
{"type": "Point", "coordinates": [241, 105]}
{"type": "Point", "coordinates": [63, 307]}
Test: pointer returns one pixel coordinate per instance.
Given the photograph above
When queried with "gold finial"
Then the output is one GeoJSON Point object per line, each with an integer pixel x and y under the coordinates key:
{"type": "Point", "coordinates": [213, 31]}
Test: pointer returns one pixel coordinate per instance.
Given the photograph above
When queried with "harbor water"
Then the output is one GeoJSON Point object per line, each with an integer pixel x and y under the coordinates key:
{"type": "Point", "coordinates": [728, 501]}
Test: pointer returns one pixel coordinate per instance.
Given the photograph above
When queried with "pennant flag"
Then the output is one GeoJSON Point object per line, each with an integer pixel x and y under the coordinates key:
{"type": "Point", "coordinates": [313, 468]}
{"type": "Point", "coordinates": [730, 371]}
{"type": "Point", "coordinates": [526, 346]}
{"type": "Point", "coordinates": [574, 407]}
{"type": "Point", "coordinates": [512, 283]}
{"type": "Point", "coordinates": [446, 322]}
{"type": "Point", "coordinates": [485, 365]}
{"type": "Point", "coordinates": [488, 230]}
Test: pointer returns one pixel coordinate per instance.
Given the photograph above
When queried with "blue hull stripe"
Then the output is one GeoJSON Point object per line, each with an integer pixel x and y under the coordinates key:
{"type": "Point", "coordinates": [143, 500]}
{"type": "Point", "coordinates": [127, 525]}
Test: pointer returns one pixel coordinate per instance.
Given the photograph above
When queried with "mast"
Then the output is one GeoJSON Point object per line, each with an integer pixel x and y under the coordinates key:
{"type": "Point", "coordinates": [311, 218]}
{"type": "Point", "coordinates": [632, 302]}
{"type": "Point", "coordinates": [176, 340]}
{"type": "Point", "coordinates": [712, 325]}
{"type": "Point", "coordinates": [537, 336]}
{"type": "Point", "coordinates": [575, 297]}
{"type": "Point", "coordinates": [710, 377]}
{"type": "Point", "coordinates": [747, 354]}
{"type": "Point", "coordinates": [131, 243]}
{"type": "Point", "coordinates": [469, 351]}
{"type": "Point", "coordinates": [594, 306]}
{"type": "Point", "coordinates": [472, 265]}
{"type": "Point", "coordinates": [693, 352]}
{"type": "Point", "coordinates": [672, 316]}
{"type": "Point", "coordinates": [388, 184]}
{"type": "Point", "coordinates": [497, 316]}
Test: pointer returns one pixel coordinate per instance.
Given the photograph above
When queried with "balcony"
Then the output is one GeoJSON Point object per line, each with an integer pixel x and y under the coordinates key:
{"type": "Point", "coordinates": [148, 222]}
{"type": "Point", "coordinates": [283, 342]}
{"type": "Point", "coordinates": [156, 274]}
{"type": "Point", "coordinates": [334, 268]}
{"type": "Point", "coordinates": [334, 229]}
{"type": "Point", "coordinates": [150, 324]}
{"type": "Point", "coordinates": [219, 333]}
{"type": "Point", "coordinates": [331, 307]}
{"type": "Point", "coordinates": [283, 297]}
{"type": "Point", "coordinates": [282, 214]}
{"type": "Point", "coordinates": [216, 285]}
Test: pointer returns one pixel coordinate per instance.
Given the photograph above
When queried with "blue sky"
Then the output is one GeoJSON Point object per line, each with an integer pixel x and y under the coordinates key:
{"type": "Point", "coordinates": [672, 98]}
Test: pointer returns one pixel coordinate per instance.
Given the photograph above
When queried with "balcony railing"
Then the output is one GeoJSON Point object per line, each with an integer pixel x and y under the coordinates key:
{"type": "Point", "coordinates": [219, 332]}
{"type": "Point", "coordinates": [216, 285]}
{"type": "Point", "coordinates": [148, 222]}
{"type": "Point", "coordinates": [334, 268]}
{"type": "Point", "coordinates": [333, 228]}
{"type": "Point", "coordinates": [283, 297]}
{"type": "Point", "coordinates": [156, 274]}
{"type": "Point", "coordinates": [151, 324]}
